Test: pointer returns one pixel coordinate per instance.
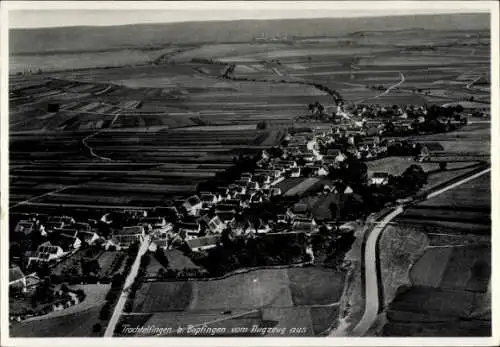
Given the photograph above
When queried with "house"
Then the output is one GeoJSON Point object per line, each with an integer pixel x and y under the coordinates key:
{"type": "Point", "coordinates": [192, 205]}
{"type": "Point", "coordinates": [170, 213]}
{"type": "Point", "coordinates": [263, 227]}
{"type": "Point", "coordinates": [107, 244]}
{"type": "Point", "coordinates": [46, 252]}
{"type": "Point", "coordinates": [223, 193]}
{"type": "Point", "coordinates": [68, 242]}
{"type": "Point", "coordinates": [281, 219]}
{"type": "Point", "coordinates": [262, 179]}
{"type": "Point", "coordinates": [203, 243]}
{"type": "Point", "coordinates": [216, 225]}
{"type": "Point", "coordinates": [258, 227]}
{"type": "Point", "coordinates": [297, 211]}
{"type": "Point", "coordinates": [253, 186]}
{"type": "Point", "coordinates": [88, 237]}
{"type": "Point", "coordinates": [304, 225]}
{"type": "Point", "coordinates": [227, 207]}
{"type": "Point", "coordinates": [379, 178]}
{"type": "Point", "coordinates": [190, 227]}
{"type": "Point", "coordinates": [209, 199]}
{"type": "Point", "coordinates": [155, 222]}
{"type": "Point", "coordinates": [135, 213]}
{"type": "Point", "coordinates": [295, 172]}
{"type": "Point", "coordinates": [275, 191]}
{"type": "Point", "coordinates": [25, 226]}
{"type": "Point", "coordinates": [320, 171]}
{"type": "Point", "coordinates": [129, 235]}
{"type": "Point", "coordinates": [17, 279]}
{"type": "Point", "coordinates": [227, 218]}
{"type": "Point", "coordinates": [66, 220]}
{"type": "Point", "coordinates": [238, 189]}
{"type": "Point", "coordinates": [240, 226]}
{"type": "Point", "coordinates": [336, 154]}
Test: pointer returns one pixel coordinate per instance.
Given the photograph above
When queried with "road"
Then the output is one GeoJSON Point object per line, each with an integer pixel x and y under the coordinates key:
{"type": "Point", "coordinates": [393, 86]}
{"type": "Point", "coordinates": [30, 200]}
{"type": "Point", "coordinates": [128, 282]}
{"type": "Point", "coordinates": [371, 281]}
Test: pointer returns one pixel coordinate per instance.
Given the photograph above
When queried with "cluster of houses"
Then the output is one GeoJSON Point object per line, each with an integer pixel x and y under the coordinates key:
{"type": "Point", "coordinates": [200, 219]}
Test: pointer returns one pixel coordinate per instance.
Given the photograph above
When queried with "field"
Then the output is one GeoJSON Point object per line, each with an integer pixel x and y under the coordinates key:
{"type": "Point", "coordinates": [162, 128]}
{"type": "Point", "coordinates": [132, 117]}
{"type": "Point", "coordinates": [124, 168]}
{"type": "Point", "coordinates": [286, 296]}
{"type": "Point", "coordinates": [450, 288]}
{"type": "Point", "coordinates": [448, 293]}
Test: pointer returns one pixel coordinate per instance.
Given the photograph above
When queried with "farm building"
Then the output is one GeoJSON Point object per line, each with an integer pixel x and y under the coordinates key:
{"type": "Point", "coordinates": [46, 252]}
{"type": "Point", "coordinates": [304, 224]}
{"type": "Point", "coordinates": [170, 213]}
{"type": "Point", "coordinates": [128, 235]}
{"type": "Point", "coordinates": [298, 210]}
{"type": "Point", "coordinates": [216, 225]}
{"type": "Point", "coordinates": [193, 205]}
{"type": "Point", "coordinates": [68, 242]}
{"type": "Point", "coordinates": [88, 237]}
{"type": "Point", "coordinates": [379, 178]}
{"type": "Point", "coordinates": [202, 243]}
{"type": "Point", "coordinates": [189, 226]}
{"type": "Point", "coordinates": [155, 222]}
{"type": "Point", "coordinates": [25, 226]}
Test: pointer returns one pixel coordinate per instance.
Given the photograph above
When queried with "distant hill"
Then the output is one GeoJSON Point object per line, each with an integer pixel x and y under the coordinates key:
{"type": "Point", "coordinates": [137, 35]}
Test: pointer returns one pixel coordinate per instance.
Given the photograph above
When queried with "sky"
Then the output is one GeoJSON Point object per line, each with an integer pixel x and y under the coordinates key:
{"type": "Point", "coordinates": [58, 14]}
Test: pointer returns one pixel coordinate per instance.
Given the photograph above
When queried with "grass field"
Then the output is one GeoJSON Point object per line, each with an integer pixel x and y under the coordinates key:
{"type": "Point", "coordinates": [449, 295]}
{"type": "Point", "coordinates": [449, 290]}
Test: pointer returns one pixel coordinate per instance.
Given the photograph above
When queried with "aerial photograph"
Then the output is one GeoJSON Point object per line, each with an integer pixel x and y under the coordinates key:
{"type": "Point", "coordinates": [249, 172]}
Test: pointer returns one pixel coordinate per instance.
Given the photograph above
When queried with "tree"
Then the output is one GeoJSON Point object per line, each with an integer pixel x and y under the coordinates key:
{"type": "Point", "coordinates": [442, 165]}
{"type": "Point", "coordinates": [262, 125]}
{"type": "Point", "coordinates": [414, 177]}
{"type": "Point", "coordinates": [96, 328]}
{"type": "Point", "coordinates": [161, 257]}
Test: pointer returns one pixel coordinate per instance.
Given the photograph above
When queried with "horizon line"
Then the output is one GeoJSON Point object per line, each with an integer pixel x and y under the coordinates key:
{"type": "Point", "coordinates": [201, 20]}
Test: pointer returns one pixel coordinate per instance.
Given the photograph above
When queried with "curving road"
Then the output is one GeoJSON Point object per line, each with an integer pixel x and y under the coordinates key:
{"type": "Point", "coordinates": [393, 86]}
{"type": "Point", "coordinates": [372, 304]}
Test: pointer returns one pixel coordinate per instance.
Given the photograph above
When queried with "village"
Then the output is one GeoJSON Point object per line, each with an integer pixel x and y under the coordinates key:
{"type": "Point", "coordinates": [251, 199]}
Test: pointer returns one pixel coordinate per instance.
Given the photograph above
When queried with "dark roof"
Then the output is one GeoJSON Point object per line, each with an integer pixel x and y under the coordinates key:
{"type": "Point", "coordinates": [85, 235]}
{"type": "Point", "coordinates": [225, 207]}
{"type": "Point", "coordinates": [380, 174]}
{"type": "Point", "coordinates": [188, 225]}
{"type": "Point", "coordinates": [47, 248]}
{"type": "Point", "coordinates": [132, 230]}
{"type": "Point", "coordinates": [193, 200]}
{"type": "Point", "coordinates": [300, 208]}
{"type": "Point", "coordinates": [64, 241]}
{"type": "Point", "coordinates": [207, 197]}
{"type": "Point", "coordinates": [225, 216]}
{"type": "Point", "coordinates": [204, 241]}
{"type": "Point", "coordinates": [81, 226]}
{"type": "Point", "coordinates": [333, 152]}
{"type": "Point", "coordinates": [15, 274]}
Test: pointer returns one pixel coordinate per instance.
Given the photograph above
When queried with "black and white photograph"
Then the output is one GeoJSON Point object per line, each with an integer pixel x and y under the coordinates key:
{"type": "Point", "coordinates": [191, 171]}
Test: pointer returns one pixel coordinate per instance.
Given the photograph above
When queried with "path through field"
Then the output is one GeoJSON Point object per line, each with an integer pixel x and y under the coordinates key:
{"type": "Point", "coordinates": [84, 142]}
{"type": "Point", "coordinates": [393, 86]}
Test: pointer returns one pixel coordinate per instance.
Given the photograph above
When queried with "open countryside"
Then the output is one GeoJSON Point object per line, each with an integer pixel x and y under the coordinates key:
{"type": "Point", "coordinates": [336, 183]}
